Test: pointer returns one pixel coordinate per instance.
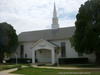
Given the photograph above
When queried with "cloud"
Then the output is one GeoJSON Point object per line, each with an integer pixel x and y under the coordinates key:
{"type": "Point", "coordinates": [30, 15]}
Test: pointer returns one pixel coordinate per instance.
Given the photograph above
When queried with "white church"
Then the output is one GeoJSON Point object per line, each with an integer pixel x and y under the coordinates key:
{"type": "Point", "coordinates": [46, 46]}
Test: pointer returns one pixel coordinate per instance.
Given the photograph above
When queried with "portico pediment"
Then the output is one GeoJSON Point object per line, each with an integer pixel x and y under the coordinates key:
{"type": "Point", "coordinates": [45, 54]}
{"type": "Point", "coordinates": [43, 44]}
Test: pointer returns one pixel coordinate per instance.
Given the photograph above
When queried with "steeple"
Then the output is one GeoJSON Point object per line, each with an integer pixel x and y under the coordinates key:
{"type": "Point", "coordinates": [54, 12]}
{"type": "Point", "coordinates": [55, 24]}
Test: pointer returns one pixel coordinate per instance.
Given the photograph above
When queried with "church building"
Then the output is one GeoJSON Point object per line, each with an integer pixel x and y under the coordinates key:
{"type": "Point", "coordinates": [46, 46]}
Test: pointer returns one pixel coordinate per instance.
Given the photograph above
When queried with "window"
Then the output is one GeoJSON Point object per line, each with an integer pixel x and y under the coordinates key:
{"type": "Point", "coordinates": [21, 51]}
{"type": "Point", "coordinates": [35, 53]}
{"type": "Point", "coordinates": [25, 55]}
{"type": "Point", "coordinates": [63, 49]}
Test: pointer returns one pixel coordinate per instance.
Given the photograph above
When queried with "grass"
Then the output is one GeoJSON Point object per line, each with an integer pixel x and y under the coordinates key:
{"type": "Point", "coordinates": [6, 67]}
{"type": "Point", "coordinates": [10, 66]}
{"type": "Point", "coordinates": [43, 71]}
{"type": "Point", "coordinates": [77, 65]}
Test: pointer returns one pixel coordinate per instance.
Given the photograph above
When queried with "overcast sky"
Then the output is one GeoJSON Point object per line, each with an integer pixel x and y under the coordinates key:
{"type": "Point", "coordinates": [31, 15]}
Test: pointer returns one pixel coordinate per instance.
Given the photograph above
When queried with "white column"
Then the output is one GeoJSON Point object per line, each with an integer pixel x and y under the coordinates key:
{"type": "Point", "coordinates": [53, 56]}
{"type": "Point", "coordinates": [33, 56]}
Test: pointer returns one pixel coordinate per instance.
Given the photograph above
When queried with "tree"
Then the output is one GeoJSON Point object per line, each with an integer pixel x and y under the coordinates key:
{"type": "Point", "coordinates": [86, 38]}
{"type": "Point", "coordinates": [8, 39]}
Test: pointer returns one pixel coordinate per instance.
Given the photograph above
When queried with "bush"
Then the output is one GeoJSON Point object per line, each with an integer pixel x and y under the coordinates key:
{"type": "Point", "coordinates": [55, 64]}
{"type": "Point", "coordinates": [41, 65]}
{"type": "Point", "coordinates": [19, 67]}
{"type": "Point", "coordinates": [20, 60]}
{"type": "Point", "coordinates": [63, 61]}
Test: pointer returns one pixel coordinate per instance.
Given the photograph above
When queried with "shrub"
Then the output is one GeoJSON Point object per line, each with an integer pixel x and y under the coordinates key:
{"type": "Point", "coordinates": [55, 64]}
{"type": "Point", "coordinates": [19, 67]}
{"type": "Point", "coordinates": [20, 60]}
{"type": "Point", "coordinates": [63, 61]}
{"type": "Point", "coordinates": [41, 65]}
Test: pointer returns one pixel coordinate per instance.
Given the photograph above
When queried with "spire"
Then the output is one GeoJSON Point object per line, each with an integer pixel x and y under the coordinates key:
{"type": "Point", "coordinates": [55, 24]}
{"type": "Point", "coordinates": [54, 12]}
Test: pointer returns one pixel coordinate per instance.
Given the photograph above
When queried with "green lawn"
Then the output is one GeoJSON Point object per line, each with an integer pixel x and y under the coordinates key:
{"type": "Point", "coordinates": [77, 65]}
{"type": "Point", "coordinates": [43, 71]}
{"type": "Point", "coordinates": [5, 67]}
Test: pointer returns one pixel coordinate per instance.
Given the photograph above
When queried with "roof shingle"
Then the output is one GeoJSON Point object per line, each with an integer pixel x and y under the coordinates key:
{"type": "Point", "coordinates": [50, 34]}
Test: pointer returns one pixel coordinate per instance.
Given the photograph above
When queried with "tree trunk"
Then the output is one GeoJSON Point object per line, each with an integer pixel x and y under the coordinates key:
{"type": "Point", "coordinates": [1, 57]}
{"type": "Point", "coordinates": [97, 58]}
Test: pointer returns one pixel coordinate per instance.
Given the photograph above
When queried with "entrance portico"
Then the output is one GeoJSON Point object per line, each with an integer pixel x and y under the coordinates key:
{"type": "Point", "coordinates": [43, 51]}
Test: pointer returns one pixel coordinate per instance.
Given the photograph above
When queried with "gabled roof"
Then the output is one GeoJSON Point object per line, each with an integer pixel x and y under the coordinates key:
{"type": "Point", "coordinates": [50, 34]}
{"type": "Point", "coordinates": [41, 40]}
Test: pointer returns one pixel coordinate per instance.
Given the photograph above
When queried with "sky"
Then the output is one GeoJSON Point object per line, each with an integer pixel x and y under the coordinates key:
{"type": "Point", "coordinates": [31, 15]}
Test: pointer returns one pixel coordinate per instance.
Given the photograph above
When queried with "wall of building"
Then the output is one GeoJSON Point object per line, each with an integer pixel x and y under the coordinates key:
{"type": "Point", "coordinates": [70, 52]}
{"type": "Point", "coordinates": [27, 49]}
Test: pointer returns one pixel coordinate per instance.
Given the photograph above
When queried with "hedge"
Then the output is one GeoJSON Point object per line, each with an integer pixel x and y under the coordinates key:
{"type": "Point", "coordinates": [20, 60]}
{"type": "Point", "coordinates": [63, 61]}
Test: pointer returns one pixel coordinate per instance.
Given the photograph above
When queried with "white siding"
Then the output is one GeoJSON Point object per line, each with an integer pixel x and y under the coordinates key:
{"type": "Point", "coordinates": [28, 50]}
{"type": "Point", "coordinates": [70, 52]}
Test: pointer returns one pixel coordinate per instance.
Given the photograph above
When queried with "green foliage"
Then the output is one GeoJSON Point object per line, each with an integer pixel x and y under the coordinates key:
{"type": "Point", "coordinates": [63, 61]}
{"type": "Point", "coordinates": [19, 67]}
{"type": "Point", "coordinates": [20, 60]}
{"type": "Point", "coordinates": [8, 38]}
{"type": "Point", "coordinates": [41, 65]}
{"type": "Point", "coordinates": [86, 36]}
{"type": "Point", "coordinates": [44, 71]}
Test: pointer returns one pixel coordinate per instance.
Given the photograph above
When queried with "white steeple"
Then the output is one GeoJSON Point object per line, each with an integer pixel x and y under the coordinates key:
{"type": "Point", "coordinates": [55, 24]}
{"type": "Point", "coordinates": [54, 12]}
